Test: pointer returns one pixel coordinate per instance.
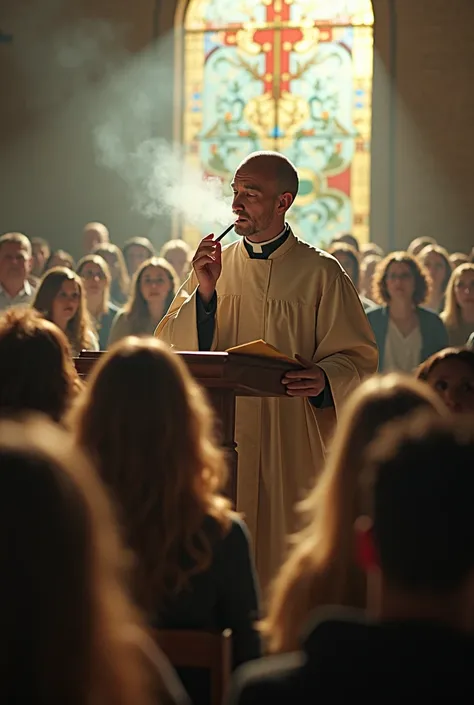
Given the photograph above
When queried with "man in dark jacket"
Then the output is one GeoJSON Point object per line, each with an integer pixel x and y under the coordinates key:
{"type": "Point", "coordinates": [418, 549]}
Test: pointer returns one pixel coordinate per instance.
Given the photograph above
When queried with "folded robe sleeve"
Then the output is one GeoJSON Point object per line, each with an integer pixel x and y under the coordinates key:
{"type": "Point", "coordinates": [346, 349]}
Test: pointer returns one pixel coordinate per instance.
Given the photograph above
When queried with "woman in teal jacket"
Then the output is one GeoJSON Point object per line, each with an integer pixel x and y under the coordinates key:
{"type": "Point", "coordinates": [406, 333]}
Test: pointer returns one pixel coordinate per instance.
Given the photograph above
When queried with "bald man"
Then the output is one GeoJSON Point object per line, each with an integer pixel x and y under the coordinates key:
{"type": "Point", "coordinates": [94, 234]}
{"type": "Point", "coordinates": [270, 285]}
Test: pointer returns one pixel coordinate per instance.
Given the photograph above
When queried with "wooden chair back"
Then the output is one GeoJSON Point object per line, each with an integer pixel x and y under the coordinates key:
{"type": "Point", "coordinates": [199, 649]}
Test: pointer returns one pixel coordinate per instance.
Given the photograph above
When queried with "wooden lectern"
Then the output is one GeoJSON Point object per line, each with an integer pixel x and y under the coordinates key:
{"type": "Point", "coordinates": [225, 376]}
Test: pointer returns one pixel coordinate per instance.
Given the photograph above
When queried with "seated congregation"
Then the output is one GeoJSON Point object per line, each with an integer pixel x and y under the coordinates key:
{"type": "Point", "coordinates": [127, 539]}
{"type": "Point", "coordinates": [128, 574]}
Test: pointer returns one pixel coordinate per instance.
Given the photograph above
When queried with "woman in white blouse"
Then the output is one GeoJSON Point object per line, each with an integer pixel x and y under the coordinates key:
{"type": "Point", "coordinates": [406, 333]}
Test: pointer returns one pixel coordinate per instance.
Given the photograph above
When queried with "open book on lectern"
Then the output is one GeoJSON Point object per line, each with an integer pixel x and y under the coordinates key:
{"type": "Point", "coordinates": [260, 348]}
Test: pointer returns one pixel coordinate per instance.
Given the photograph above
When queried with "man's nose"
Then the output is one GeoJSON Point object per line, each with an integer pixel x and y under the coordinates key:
{"type": "Point", "coordinates": [236, 203]}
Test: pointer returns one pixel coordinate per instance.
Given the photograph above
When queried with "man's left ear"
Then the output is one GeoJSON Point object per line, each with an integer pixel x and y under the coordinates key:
{"type": "Point", "coordinates": [285, 201]}
{"type": "Point", "coordinates": [365, 548]}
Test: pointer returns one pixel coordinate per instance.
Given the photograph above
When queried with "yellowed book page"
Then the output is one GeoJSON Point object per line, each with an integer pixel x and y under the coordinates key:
{"type": "Point", "coordinates": [260, 348]}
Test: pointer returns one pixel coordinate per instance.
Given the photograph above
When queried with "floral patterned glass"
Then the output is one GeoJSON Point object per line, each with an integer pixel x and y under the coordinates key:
{"type": "Point", "coordinates": [293, 76]}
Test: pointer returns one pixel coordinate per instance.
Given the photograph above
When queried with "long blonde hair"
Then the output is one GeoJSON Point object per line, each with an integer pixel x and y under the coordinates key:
{"type": "Point", "coordinates": [451, 315]}
{"type": "Point", "coordinates": [69, 632]}
{"type": "Point", "coordinates": [321, 567]}
{"type": "Point", "coordinates": [150, 430]}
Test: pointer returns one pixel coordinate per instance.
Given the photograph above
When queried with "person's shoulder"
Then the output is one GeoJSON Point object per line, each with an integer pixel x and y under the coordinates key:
{"type": "Point", "coordinates": [431, 319]}
{"type": "Point", "coordinates": [271, 679]}
{"type": "Point", "coordinates": [238, 532]}
{"type": "Point", "coordinates": [428, 314]}
{"type": "Point", "coordinates": [231, 248]}
{"type": "Point", "coordinates": [376, 311]}
{"type": "Point", "coordinates": [233, 532]}
{"type": "Point", "coordinates": [316, 254]}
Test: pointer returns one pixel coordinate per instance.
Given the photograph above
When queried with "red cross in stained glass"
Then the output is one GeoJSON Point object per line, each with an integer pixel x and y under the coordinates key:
{"type": "Point", "coordinates": [277, 39]}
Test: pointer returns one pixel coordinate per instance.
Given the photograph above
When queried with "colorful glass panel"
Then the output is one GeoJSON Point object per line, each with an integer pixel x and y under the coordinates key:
{"type": "Point", "coordinates": [293, 76]}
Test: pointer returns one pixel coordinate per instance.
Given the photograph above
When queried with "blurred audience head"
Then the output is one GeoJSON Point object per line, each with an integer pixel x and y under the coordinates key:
{"type": "Point", "coordinates": [41, 252]}
{"type": "Point", "coordinates": [15, 261]}
{"type": "Point", "coordinates": [416, 245]}
{"type": "Point", "coordinates": [60, 258]}
{"type": "Point", "coordinates": [118, 270]}
{"type": "Point", "coordinates": [136, 251]}
{"type": "Point", "coordinates": [436, 261]}
{"type": "Point", "coordinates": [346, 238]}
{"type": "Point", "coordinates": [367, 271]}
{"type": "Point", "coordinates": [69, 632]}
{"type": "Point", "coordinates": [61, 299]}
{"type": "Point", "coordinates": [459, 296]}
{"type": "Point", "coordinates": [419, 541]}
{"type": "Point", "coordinates": [94, 234]}
{"type": "Point", "coordinates": [400, 277]}
{"type": "Point", "coordinates": [450, 373]}
{"type": "Point", "coordinates": [458, 258]}
{"type": "Point", "coordinates": [370, 248]}
{"type": "Point", "coordinates": [348, 258]}
{"type": "Point", "coordinates": [178, 254]}
{"type": "Point", "coordinates": [322, 567]}
{"type": "Point", "coordinates": [164, 468]}
{"type": "Point", "coordinates": [95, 274]}
{"type": "Point", "coordinates": [155, 280]}
{"type": "Point", "coordinates": [36, 369]}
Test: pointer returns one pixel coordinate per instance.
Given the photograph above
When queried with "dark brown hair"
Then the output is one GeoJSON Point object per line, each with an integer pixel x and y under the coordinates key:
{"type": "Point", "coordinates": [148, 427]}
{"type": "Point", "coordinates": [419, 484]}
{"type": "Point", "coordinates": [69, 632]}
{"type": "Point", "coordinates": [36, 368]}
{"type": "Point", "coordinates": [462, 354]}
{"type": "Point", "coordinates": [79, 327]}
{"type": "Point", "coordinates": [62, 254]}
{"type": "Point", "coordinates": [379, 284]}
{"type": "Point", "coordinates": [345, 249]}
{"type": "Point", "coordinates": [136, 308]}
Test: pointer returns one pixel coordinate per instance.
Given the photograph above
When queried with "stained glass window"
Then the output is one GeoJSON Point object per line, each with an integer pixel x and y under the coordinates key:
{"type": "Point", "coordinates": [288, 75]}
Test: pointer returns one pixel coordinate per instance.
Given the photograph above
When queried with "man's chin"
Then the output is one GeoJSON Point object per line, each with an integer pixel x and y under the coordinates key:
{"type": "Point", "coordinates": [244, 229]}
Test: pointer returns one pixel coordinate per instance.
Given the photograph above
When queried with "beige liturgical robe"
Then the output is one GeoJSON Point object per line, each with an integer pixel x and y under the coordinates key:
{"type": "Point", "coordinates": [301, 301]}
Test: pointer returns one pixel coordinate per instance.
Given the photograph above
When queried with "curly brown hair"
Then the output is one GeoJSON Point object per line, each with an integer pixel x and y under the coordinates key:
{"type": "Point", "coordinates": [420, 275]}
{"type": "Point", "coordinates": [36, 368]}
{"type": "Point", "coordinates": [147, 425]}
{"type": "Point", "coordinates": [79, 327]}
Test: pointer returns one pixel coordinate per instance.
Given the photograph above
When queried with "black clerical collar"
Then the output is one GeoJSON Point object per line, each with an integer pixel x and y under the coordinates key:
{"type": "Point", "coordinates": [263, 250]}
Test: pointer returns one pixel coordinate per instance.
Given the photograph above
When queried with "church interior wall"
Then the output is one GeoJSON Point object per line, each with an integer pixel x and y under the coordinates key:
{"type": "Point", "coordinates": [423, 112]}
